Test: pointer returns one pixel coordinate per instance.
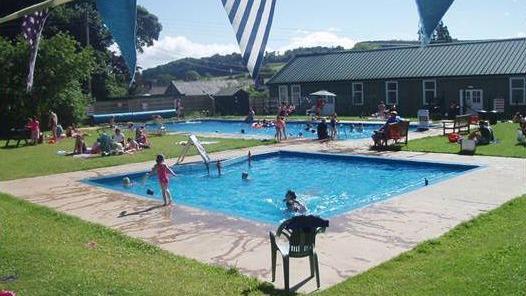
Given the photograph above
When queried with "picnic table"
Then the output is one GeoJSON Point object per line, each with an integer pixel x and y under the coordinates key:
{"type": "Point", "coordinates": [18, 135]}
{"type": "Point", "coordinates": [461, 123]}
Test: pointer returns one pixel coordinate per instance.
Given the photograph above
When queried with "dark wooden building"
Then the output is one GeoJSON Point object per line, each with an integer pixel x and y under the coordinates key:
{"type": "Point", "coordinates": [477, 75]}
{"type": "Point", "coordinates": [231, 101]}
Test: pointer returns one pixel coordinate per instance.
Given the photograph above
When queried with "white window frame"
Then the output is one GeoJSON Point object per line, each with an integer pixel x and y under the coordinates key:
{"type": "Point", "coordinates": [354, 92]}
{"type": "Point", "coordinates": [293, 99]}
{"type": "Point", "coordinates": [283, 94]}
{"type": "Point", "coordinates": [387, 91]}
{"type": "Point", "coordinates": [523, 88]}
{"type": "Point", "coordinates": [424, 90]}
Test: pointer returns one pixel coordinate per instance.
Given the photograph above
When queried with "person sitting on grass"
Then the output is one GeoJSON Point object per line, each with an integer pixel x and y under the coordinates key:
{"type": "Point", "coordinates": [485, 134]}
{"type": "Point", "coordinates": [132, 145]}
{"type": "Point", "coordinates": [80, 145]}
{"type": "Point", "coordinates": [142, 138]}
{"type": "Point", "coordinates": [119, 137]}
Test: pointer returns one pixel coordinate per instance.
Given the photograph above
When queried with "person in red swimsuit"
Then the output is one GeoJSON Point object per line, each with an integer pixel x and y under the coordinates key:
{"type": "Point", "coordinates": [163, 171]}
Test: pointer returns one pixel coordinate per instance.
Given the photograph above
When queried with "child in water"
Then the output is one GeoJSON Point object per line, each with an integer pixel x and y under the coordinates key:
{"type": "Point", "coordinates": [162, 171]}
{"type": "Point", "coordinates": [292, 203]}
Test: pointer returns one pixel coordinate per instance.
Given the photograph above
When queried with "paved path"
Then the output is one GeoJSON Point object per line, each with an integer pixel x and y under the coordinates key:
{"type": "Point", "coordinates": [355, 241]}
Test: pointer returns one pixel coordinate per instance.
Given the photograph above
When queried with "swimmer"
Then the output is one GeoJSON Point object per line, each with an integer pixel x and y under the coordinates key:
{"type": "Point", "coordinates": [293, 204]}
{"type": "Point", "coordinates": [351, 128]}
{"type": "Point", "coordinates": [126, 182]}
{"type": "Point", "coordinates": [359, 128]}
{"type": "Point", "coordinates": [244, 176]}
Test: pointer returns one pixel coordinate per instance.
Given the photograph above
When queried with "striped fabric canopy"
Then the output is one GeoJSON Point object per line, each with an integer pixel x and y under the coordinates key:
{"type": "Point", "coordinates": [431, 13]}
{"type": "Point", "coordinates": [251, 20]}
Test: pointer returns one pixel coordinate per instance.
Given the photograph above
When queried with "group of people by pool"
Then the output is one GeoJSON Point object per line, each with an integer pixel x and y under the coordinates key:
{"type": "Point", "coordinates": [116, 144]}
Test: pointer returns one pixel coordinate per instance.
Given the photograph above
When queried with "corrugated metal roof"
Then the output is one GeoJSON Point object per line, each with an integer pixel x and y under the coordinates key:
{"type": "Point", "coordinates": [227, 92]}
{"type": "Point", "coordinates": [494, 57]}
{"type": "Point", "coordinates": [206, 87]}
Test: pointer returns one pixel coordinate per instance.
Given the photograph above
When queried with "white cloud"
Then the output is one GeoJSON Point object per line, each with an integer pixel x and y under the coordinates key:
{"type": "Point", "coordinates": [173, 48]}
{"type": "Point", "coordinates": [521, 34]}
{"type": "Point", "coordinates": [320, 38]}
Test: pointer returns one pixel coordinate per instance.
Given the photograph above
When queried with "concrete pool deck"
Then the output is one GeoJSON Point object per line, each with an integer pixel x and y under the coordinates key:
{"type": "Point", "coordinates": [354, 242]}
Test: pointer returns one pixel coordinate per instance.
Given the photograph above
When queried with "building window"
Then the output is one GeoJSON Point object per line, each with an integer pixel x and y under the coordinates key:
{"type": "Point", "coordinates": [283, 94]}
{"type": "Point", "coordinates": [295, 94]}
{"type": "Point", "coordinates": [518, 91]}
{"type": "Point", "coordinates": [391, 92]}
{"type": "Point", "coordinates": [430, 91]}
{"type": "Point", "coordinates": [357, 93]}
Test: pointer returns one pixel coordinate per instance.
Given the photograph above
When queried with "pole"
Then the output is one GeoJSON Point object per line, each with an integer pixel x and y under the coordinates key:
{"type": "Point", "coordinates": [87, 42]}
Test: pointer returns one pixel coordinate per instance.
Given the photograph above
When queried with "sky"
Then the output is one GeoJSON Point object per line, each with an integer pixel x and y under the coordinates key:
{"type": "Point", "coordinates": [199, 28]}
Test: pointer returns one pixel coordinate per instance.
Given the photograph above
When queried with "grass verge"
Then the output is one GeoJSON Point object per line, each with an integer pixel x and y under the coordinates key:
{"type": "Point", "coordinates": [49, 253]}
{"type": "Point", "coordinates": [40, 160]}
{"type": "Point", "coordinates": [507, 146]}
{"type": "Point", "coordinates": [52, 253]}
{"type": "Point", "coordinates": [485, 256]}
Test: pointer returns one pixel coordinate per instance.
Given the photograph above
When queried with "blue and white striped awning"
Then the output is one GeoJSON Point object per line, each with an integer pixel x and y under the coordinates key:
{"type": "Point", "coordinates": [251, 20]}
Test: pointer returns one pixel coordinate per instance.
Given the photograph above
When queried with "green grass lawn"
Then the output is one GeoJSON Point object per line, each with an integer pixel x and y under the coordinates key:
{"type": "Point", "coordinates": [55, 254]}
{"type": "Point", "coordinates": [39, 160]}
{"type": "Point", "coordinates": [507, 146]}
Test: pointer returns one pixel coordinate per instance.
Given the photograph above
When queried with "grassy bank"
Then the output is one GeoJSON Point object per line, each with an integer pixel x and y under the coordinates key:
{"type": "Point", "coordinates": [51, 253]}
{"type": "Point", "coordinates": [54, 254]}
{"type": "Point", "coordinates": [506, 146]}
{"type": "Point", "coordinates": [39, 160]}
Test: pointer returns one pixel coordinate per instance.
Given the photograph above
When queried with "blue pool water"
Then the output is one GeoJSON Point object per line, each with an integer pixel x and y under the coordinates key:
{"type": "Point", "coordinates": [328, 184]}
{"type": "Point", "coordinates": [294, 129]}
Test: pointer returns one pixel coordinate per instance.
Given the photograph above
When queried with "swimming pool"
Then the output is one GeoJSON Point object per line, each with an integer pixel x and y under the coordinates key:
{"type": "Point", "coordinates": [328, 184]}
{"type": "Point", "coordinates": [235, 127]}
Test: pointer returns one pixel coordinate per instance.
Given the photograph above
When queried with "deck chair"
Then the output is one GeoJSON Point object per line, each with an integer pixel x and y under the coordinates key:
{"type": "Point", "coordinates": [300, 232]}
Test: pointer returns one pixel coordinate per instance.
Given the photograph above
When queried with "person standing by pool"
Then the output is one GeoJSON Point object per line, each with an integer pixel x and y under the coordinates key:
{"type": "Point", "coordinates": [332, 126]}
{"type": "Point", "coordinates": [322, 130]}
{"type": "Point", "coordinates": [163, 171]}
{"type": "Point", "coordinates": [280, 124]}
{"type": "Point", "coordinates": [250, 116]}
{"type": "Point", "coordinates": [53, 123]}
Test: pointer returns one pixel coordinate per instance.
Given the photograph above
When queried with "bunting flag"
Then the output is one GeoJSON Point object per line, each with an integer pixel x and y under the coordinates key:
{"type": "Point", "coordinates": [120, 16]}
{"type": "Point", "coordinates": [32, 26]}
{"type": "Point", "coordinates": [431, 13]}
{"type": "Point", "coordinates": [251, 20]}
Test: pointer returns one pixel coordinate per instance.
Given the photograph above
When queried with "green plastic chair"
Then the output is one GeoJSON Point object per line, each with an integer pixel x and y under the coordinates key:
{"type": "Point", "coordinates": [300, 231]}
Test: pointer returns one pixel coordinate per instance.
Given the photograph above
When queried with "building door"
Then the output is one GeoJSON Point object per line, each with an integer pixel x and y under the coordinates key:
{"type": "Point", "coordinates": [472, 100]}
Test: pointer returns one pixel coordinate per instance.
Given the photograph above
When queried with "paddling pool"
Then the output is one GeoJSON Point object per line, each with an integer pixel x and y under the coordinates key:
{"type": "Point", "coordinates": [295, 129]}
{"type": "Point", "coordinates": [327, 184]}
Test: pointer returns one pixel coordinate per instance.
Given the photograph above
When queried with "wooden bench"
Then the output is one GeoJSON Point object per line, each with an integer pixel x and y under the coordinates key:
{"type": "Point", "coordinates": [461, 123]}
{"type": "Point", "coordinates": [18, 134]}
{"type": "Point", "coordinates": [396, 132]}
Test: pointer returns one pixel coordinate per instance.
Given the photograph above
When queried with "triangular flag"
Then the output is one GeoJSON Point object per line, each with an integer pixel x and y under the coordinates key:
{"type": "Point", "coordinates": [251, 20]}
{"type": "Point", "coordinates": [431, 13]}
{"type": "Point", "coordinates": [120, 16]}
{"type": "Point", "coordinates": [32, 26]}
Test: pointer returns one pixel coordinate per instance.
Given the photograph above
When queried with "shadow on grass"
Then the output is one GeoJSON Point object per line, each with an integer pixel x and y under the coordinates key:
{"type": "Point", "coordinates": [269, 289]}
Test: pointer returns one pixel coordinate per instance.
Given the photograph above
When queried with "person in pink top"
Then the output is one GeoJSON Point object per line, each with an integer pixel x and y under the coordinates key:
{"type": "Point", "coordinates": [34, 126]}
{"type": "Point", "coordinates": [163, 171]}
